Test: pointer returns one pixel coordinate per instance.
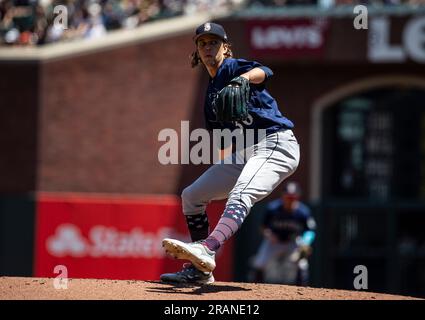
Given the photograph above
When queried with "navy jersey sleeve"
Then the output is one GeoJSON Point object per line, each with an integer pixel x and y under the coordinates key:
{"type": "Point", "coordinates": [267, 71]}
{"type": "Point", "coordinates": [308, 224]}
{"type": "Point", "coordinates": [236, 67]}
{"type": "Point", "coordinates": [271, 209]}
{"type": "Point", "coordinates": [309, 221]}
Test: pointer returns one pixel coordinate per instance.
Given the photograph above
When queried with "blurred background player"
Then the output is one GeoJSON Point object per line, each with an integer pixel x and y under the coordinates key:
{"type": "Point", "coordinates": [289, 231]}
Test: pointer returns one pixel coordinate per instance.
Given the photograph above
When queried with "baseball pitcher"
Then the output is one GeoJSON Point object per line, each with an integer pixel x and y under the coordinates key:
{"type": "Point", "coordinates": [236, 99]}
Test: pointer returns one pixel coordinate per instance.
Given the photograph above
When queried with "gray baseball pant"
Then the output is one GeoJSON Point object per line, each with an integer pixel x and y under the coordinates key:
{"type": "Point", "coordinates": [248, 182]}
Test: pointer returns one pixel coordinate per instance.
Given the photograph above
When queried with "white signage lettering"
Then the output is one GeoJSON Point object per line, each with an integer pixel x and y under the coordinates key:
{"type": "Point", "coordinates": [413, 41]}
{"type": "Point", "coordinates": [289, 37]}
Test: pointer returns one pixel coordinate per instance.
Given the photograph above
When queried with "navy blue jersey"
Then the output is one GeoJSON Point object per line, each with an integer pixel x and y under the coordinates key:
{"type": "Point", "coordinates": [288, 225]}
{"type": "Point", "coordinates": [263, 109]}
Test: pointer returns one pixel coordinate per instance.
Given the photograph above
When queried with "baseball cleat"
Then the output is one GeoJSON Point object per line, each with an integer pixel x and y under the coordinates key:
{"type": "Point", "coordinates": [197, 253]}
{"type": "Point", "coordinates": [190, 275]}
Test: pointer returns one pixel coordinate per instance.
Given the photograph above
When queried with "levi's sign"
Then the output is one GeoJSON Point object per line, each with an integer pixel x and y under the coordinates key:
{"type": "Point", "coordinates": [383, 49]}
{"type": "Point", "coordinates": [288, 38]}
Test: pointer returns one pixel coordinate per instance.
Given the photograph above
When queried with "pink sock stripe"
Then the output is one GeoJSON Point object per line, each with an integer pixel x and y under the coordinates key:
{"type": "Point", "coordinates": [219, 235]}
{"type": "Point", "coordinates": [230, 222]}
{"type": "Point", "coordinates": [224, 230]}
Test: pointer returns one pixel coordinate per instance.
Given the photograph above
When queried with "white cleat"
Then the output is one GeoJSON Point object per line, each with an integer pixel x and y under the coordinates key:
{"type": "Point", "coordinates": [200, 256]}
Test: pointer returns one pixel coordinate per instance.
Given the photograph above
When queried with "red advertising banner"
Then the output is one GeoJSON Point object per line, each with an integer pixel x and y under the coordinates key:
{"type": "Point", "coordinates": [115, 237]}
{"type": "Point", "coordinates": [289, 38]}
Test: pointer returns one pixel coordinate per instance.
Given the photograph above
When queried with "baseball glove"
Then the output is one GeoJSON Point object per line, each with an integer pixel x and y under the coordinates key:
{"type": "Point", "coordinates": [231, 102]}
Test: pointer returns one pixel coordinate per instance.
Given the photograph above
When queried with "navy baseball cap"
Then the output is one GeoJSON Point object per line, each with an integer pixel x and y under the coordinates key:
{"type": "Point", "coordinates": [210, 28]}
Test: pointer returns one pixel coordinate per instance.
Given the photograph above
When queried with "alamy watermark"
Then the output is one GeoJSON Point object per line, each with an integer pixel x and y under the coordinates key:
{"type": "Point", "coordinates": [61, 18]}
{"type": "Point", "coordinates": [61, 280]}
{"type": "Point", "coordinates": [360, 21]}
{"type": "Point", "coordinates": [177, 148]}
{"type": "Point", "coordinates": [361, 280]}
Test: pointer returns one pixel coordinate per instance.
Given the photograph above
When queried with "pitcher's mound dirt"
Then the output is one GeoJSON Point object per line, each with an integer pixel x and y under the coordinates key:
{"type": "Point", "coordinates": [95, 289]}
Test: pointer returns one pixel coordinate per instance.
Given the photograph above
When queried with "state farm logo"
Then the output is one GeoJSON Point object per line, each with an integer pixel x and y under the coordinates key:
{"type": "Point", "coordinates": [293, 35]}
{"type": "Point", "coordinates": [67, 241]}
{"type": "Point", "coordinates": [108, 242]}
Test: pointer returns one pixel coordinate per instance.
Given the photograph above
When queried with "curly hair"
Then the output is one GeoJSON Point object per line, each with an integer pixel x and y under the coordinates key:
{"type": "Point", "coordinates": [196, 60]}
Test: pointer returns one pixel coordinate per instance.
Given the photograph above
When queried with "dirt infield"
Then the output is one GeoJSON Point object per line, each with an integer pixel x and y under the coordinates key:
{"type": "Point", "coordinates": [16, 288]}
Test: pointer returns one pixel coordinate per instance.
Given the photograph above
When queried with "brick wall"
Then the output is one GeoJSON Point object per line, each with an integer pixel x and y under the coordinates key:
{"type": "Point", "coordinates": [102, 114]}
